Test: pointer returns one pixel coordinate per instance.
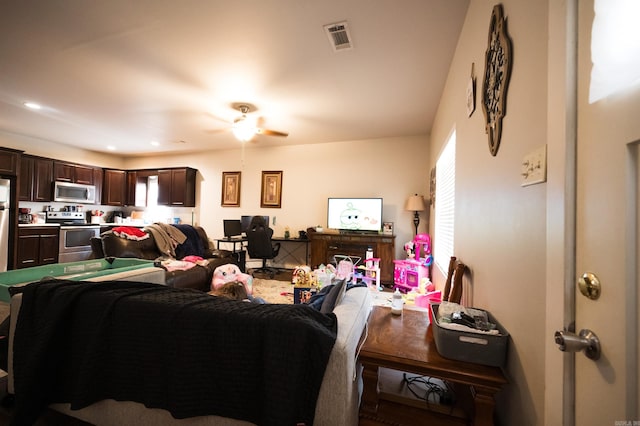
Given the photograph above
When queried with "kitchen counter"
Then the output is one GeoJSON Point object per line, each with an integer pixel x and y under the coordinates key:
{"type": "Point", "coordinates": [33, 225]}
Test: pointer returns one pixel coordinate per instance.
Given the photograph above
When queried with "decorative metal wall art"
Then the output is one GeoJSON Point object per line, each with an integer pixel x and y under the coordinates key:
{"type": "Point", "coordinates": [496, 78]}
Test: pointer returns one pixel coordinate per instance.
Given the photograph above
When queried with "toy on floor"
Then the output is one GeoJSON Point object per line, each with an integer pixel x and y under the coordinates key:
{"type": "Point", "coordinates": [345, 266]}
{"type": "Point", "coordinates": [369, 274]}
{"type": "Point", "coordinates": [409, 273]}
{"type": "Point", "coordinates": [229, 273]}
{"type": "Point", "coordinates": [305, 284]}
{"type": "Point", "coordinates": [303, 276]}
{"type": "Point", "coordinates": [325, 274]}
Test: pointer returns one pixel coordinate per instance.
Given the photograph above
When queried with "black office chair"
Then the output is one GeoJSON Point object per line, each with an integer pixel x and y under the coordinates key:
{"type": "Point", "coordinates": [259, 245]}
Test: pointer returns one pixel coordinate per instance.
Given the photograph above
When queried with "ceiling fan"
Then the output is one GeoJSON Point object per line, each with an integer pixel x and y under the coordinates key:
{"type": "Point", "coordinates": [245, 127]}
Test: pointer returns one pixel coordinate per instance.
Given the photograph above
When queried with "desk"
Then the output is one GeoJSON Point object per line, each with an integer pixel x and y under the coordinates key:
{"type": "Point", "coordinates": [234, 241]}
{"type": "Point", "coordinates": [290, 248]}
{"type": "Point", "coordinates": [240, 253]}
{"type": "Point", "coordinates": [405, 343]}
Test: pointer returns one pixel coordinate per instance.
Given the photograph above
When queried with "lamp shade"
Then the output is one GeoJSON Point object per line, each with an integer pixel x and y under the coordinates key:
{"type": "Point", "coordinates": [415, 203]}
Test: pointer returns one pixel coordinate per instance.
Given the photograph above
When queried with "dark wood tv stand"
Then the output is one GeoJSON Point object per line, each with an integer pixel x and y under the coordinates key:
{"type": "Point", "coordinates": [325, 245]}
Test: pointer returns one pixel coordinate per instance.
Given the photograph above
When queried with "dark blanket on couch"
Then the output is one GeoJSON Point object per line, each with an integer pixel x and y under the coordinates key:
{"type": "Point", "coordinates": [193, 245]}
{"type": "Point", "coordinates": [182, 350]}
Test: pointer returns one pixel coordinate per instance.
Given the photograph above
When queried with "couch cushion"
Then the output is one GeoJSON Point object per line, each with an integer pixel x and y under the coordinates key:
{"type": "Point", "coordinates": [113, 246]}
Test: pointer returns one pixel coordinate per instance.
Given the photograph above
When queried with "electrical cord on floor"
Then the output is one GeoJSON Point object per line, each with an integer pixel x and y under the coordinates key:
{"type": "Point", "coordinates": [424, 388]}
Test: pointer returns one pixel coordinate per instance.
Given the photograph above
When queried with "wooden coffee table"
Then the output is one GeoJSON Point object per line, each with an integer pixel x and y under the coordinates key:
{"type": "Point", "coordinates": [405, 344]}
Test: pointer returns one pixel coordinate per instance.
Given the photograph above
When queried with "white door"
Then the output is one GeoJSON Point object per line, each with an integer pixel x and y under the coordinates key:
{"type": "Point", "coordinates": [608, 132]}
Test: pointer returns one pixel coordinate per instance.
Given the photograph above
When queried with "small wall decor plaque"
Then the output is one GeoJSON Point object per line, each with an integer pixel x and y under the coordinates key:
{"type": "Point", "coordinates": [471, 92]}
{"type": "Point", "coordinates": [496, 78]}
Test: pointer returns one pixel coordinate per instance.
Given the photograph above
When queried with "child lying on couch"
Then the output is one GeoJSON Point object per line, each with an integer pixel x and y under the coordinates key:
{"type": "Point", "coordinates": [235, 290]}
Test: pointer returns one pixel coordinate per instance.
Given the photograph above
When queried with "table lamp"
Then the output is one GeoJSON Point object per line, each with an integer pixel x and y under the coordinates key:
{"type": "Point", "coordinates": [415, 203]}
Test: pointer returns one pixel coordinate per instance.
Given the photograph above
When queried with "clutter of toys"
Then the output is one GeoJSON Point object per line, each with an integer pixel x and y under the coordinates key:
{"type": "Point", "coordinates": [411, 275]}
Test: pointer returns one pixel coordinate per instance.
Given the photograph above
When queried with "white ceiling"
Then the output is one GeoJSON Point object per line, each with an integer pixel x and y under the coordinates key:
{"type": "Point", "coordinates": [125, 73]}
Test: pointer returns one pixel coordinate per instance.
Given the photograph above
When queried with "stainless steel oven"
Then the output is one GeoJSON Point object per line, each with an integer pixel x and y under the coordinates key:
{"type": "Point", "coordinates": [75, 242]}
{"type": "Point", "coordinates": [75, 235]}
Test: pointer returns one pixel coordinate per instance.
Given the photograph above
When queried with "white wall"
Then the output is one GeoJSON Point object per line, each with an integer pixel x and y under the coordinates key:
{"type": "Point", "coordinates": [500, 227]}
{"type": "Point", "coordinates": [391, 168]}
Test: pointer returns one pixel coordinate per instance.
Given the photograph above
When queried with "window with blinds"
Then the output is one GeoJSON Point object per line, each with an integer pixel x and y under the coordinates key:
{"type": "Point", "coordinates": [445, 204]}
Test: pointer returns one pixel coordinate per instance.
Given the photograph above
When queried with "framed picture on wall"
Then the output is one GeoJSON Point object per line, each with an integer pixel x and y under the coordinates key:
{"type": "Point", "coordinates": [230, 189]}
{"type": "Point", "coordinates": [271, 192]}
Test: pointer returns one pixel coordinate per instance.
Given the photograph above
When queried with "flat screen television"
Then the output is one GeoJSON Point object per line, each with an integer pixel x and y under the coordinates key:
{"type": "Point", "coordinates": [245, 221]}
{"type": "Point", "coordinates": [355, 214]}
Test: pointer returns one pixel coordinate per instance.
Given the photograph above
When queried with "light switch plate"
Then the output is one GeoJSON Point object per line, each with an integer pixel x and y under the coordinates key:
{"type": "Point", "coordinates": [534, 167]}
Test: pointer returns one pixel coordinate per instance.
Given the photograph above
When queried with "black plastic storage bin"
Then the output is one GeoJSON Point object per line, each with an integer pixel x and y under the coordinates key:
{"type": "Point", "coordinates": [485, 349]}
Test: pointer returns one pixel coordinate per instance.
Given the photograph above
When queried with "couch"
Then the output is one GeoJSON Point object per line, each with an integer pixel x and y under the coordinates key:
{"type": "Point", "coordinates": [338, 396]}
{"type": "Point", "coordinates": [108, 244]}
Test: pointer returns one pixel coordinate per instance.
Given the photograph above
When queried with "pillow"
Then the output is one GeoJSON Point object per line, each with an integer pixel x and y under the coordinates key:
{"type": "Point", "coordinates": [335, 296]}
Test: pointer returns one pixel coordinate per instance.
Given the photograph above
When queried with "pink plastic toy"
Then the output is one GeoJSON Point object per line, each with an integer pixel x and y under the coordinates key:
{"type": "Point", "coordinates": [408, 273]}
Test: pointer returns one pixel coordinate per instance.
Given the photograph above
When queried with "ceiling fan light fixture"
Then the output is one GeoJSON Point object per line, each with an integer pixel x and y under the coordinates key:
{"type": "Point", "coordinates": [243, 129]}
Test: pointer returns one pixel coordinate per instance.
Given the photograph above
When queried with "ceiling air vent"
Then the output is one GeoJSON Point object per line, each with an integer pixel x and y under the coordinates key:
{"type": "Point", "coordinates": [339, 36]}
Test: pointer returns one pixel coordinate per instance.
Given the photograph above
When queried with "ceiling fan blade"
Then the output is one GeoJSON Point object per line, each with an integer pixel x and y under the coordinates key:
{"type": "Point", "coordinates": [217, 131]}
{"type": "Point", "coordinates": [219, 118]}
{"type": "Point", "coordinates": [268, 132]}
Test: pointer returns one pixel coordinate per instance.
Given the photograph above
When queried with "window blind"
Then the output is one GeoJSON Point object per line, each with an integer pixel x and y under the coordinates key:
{"type": "Point", "coordinates": [445, 204]}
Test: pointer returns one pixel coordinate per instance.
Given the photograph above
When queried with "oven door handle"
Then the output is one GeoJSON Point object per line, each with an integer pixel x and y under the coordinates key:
{"type": "Point", "coordinates": [72, 227]}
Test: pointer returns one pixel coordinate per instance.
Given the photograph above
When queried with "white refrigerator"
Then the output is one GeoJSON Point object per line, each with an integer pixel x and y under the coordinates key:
{"type": "Point", "coordinates": [5, 207]}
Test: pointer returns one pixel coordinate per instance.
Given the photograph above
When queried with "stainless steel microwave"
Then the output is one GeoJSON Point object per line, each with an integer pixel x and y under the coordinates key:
{"type": "Point", "coordinates": [68, 192]}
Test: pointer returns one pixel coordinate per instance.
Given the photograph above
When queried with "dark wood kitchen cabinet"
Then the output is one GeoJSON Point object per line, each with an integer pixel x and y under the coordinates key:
{"type": "Point", "coordinates": [114, 187]}
{"type": "Point", "coordinates": [76, 173]}
{"type": "Point", "coordinates": [177, 187]}
{"type": "Point", "coordinates": [36, 179]}
{"type": "Point", "coordinates": [9, 160]}
{"type": "Point", "coordinates": [132, 185]}
{"type": "Point", "coordinates": [98, 176]}
{"type": "Point", "coordinates": [37, 245]}
{"type": "Point", "coordinates": [324, 246]}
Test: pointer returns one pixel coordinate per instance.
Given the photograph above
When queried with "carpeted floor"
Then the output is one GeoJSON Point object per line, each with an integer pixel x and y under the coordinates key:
{"type": "Point", "coordinates": [281, 291]}
{"type": "Point", "coordinates": [273, 291]}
